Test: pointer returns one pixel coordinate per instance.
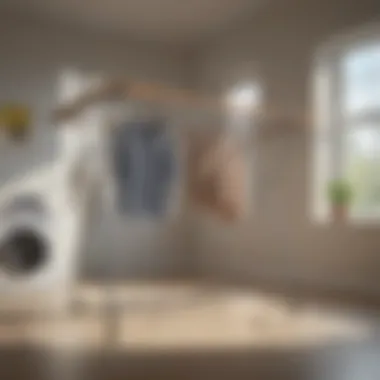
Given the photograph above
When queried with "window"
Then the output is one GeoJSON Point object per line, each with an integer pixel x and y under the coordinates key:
{"type": "Point", "coordinates": [347, 135]}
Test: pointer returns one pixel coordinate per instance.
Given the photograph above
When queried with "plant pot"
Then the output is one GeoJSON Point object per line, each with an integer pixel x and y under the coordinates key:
{"type": "Point", "coordinates": [339, 212]}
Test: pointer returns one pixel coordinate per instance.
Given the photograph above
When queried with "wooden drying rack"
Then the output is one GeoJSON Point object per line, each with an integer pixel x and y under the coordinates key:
{"type": "Point", "coordinates": [275, 121]}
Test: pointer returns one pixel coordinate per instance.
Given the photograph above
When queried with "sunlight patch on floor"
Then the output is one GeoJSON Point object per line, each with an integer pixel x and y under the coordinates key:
{"type": "Point", "coordinates": [151, 317]}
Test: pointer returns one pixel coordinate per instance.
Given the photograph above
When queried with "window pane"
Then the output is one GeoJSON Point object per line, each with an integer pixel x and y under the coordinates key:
{"type": "Point", "coordinates": [361, 80]}
{"type": "Point", "coordinates": [362, 166]}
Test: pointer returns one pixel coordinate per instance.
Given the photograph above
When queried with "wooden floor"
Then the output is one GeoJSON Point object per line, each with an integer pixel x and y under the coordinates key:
{"type": "Point", "coordinates": [150, 331]}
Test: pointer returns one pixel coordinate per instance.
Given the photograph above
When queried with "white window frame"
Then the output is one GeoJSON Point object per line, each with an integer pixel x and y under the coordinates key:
{"type": "Point", "coordinates": [328, 120]}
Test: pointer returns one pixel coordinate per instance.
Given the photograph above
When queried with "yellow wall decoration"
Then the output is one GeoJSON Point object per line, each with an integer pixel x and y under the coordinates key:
{"type": "Point", "coordinates": [15, 120]}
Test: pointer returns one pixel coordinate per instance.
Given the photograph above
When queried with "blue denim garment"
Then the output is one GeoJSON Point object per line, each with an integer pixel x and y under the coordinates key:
{"type": "Point", "coordinates": [144, 164]}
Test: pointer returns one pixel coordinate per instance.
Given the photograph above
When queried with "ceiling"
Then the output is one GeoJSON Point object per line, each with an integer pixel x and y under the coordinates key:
{"type": "Point", "coordinates": [168, 21]}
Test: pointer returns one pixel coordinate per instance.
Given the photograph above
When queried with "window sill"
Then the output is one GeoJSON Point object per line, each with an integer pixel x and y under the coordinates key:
{"type": "Point", "coordinates": [350, 221]}
{"type": "Point", "coordinates": [364, 220]}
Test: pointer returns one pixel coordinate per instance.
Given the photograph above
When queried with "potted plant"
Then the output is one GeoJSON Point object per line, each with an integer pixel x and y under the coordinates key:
{"type": "Point", "coordinates": [340, 195]}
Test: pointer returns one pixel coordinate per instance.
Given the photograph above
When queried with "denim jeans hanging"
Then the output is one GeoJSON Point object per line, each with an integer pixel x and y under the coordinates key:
{"type": "Point", "coordinates": [144, 164]}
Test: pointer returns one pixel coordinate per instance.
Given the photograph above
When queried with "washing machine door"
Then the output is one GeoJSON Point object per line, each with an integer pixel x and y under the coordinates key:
{"type": "Point", "coordinates": [24, 251]}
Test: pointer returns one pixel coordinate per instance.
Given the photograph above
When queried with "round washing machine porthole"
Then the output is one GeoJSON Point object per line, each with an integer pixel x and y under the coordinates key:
{"type": "Point", "coordinates": [23, 252]}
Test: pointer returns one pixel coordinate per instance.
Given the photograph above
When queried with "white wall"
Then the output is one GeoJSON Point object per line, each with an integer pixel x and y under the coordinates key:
{"type": "Point", "coordinates": [32, 57]}
{"type": "Point", "coordinates": [280, 243]}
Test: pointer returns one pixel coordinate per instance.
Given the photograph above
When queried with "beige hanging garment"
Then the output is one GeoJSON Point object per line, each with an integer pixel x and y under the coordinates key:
{"type": "Point", "coordinates": [217, 176]}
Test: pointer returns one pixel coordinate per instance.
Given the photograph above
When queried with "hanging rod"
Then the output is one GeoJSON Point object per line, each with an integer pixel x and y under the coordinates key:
{"type": "Point", "coordinates": [123, 90]}
{"type": "Point", "coordinates": [115, 90]}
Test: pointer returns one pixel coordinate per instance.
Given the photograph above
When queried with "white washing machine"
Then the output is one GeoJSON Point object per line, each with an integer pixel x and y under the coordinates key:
{"type": "Point", "coordinates": [42, 218]}
{"type": "Point", "coordinates": [39, 242]}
